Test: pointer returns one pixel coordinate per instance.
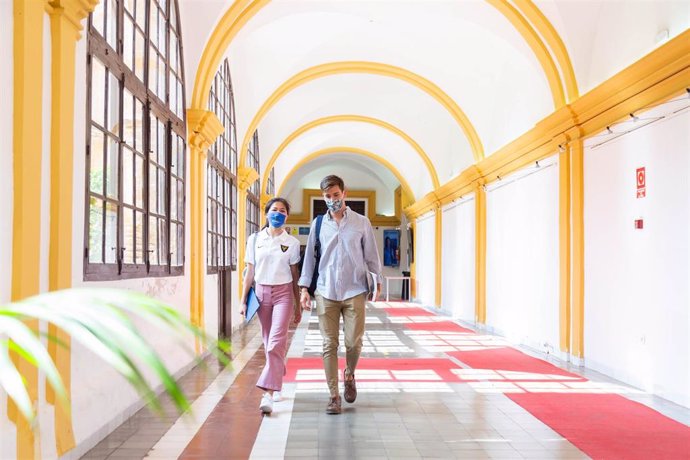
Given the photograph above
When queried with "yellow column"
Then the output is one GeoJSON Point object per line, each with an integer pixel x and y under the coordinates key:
{"type": "Point", "coordinates": [65, 25]}
{"type": "Point", "coordinates": [578, 247]}
{"type": "Point", "coordinates": [413, 265]}
{"type": "Point", "coordinates": [27, 151]}
{"type": "Point", "coordinates": [439, 260]}
{"type": "Point", "coordinates": [564, 243]}
{"type": "Point", "coordinates": [480, 255]}
{"type": "Point", "coordinates": [245, 178]}
{"type": "Point", "coordinates": [204, 128]}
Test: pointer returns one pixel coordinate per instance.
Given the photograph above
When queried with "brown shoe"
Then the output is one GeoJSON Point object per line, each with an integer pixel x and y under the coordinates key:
{"type": "Point", "coordinates": [350, 392]}
{"type": "Point", "coordinates": [334, 406]}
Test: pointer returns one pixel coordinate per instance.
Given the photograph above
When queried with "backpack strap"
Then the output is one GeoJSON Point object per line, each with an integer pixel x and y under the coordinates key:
{"type": "Point", "coordinates": [317, 243]}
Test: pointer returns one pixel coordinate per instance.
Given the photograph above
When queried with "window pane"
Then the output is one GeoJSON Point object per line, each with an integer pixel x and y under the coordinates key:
{"type": "Point", "coordinates": [139, 238]}
{"type": "Point", "coordinates": [96, 165]}
{"type": "Point", "coordinates": [98, 92]}
{"type": "Point", "coordinates": [141, 13]}
{"type": "Point", "coordinates": [129, 6]}
{"type": "Point", "coordinates": [95, 230]}
{"type": "Point", "coordinates": [98, 17]}
{"type": "Point", "coordinates": [180, 200]}
{"type": "Point", "coordinates": [173, 244]}
{"type": "Point", "coordinates": [163, 245]}
{"type": "Point", "coordinates": [140, 51]}
{"type": "Point", "coordinates": [128, 235]}
{"type": "Point", "coordinates": [112, 165]}
{"type": "Point", "coordinates": [139, 174]}
{"type": "Point", "coordinates": [113, 104]}
{"type": "Point", "coordinates": [128, 42]}
{"type": "Point", "coordinates": [173, 53]}
{"type": "Point", "coordinates": [127, 176]}
{"type": "Point", "coordinates": [111, 27]}
{"type": "Point", "coordinates": [128, 118]}
{"type": "Point", "coordinates": [153, 241]}
{"type": "Point", "coordinates": [173, 194]}
{"type": "Point", "coordinates": [110, 233]}
{"type": "Point", "coordinates": [153, 70]}
{"type": "Point", "coordinates": [161, 191]}
{"type": "Point", "coordinates": [139, 125]}
{"type": "Point", "coordinates": [153, 189]}
{"type": "Point", "coordinates": [153, 24]}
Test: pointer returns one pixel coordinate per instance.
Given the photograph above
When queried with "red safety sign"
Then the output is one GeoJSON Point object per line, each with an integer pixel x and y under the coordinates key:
{"type": "Point", "coordinates": [641, 183]}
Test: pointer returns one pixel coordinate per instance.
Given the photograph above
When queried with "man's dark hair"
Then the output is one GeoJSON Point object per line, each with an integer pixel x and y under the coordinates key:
{"type": "Point", "coordinates": [332, 181]}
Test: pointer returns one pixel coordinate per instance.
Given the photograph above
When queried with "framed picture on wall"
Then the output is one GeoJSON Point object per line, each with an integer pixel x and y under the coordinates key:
{"type": "Point", "coordinates": [391, 248]}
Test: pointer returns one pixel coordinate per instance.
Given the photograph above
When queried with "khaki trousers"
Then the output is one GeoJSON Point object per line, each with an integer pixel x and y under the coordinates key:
{"type": "Point", "coordinates": [329, 311]}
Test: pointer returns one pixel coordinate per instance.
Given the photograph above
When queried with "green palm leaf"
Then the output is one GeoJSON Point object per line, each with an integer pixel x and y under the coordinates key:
{"type": "Point", "coordinates": [102, 321]}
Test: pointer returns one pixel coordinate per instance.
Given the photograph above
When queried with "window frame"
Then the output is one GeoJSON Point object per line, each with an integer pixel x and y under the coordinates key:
{"type": "Point", "coordinates": [224, 174]}
{"type": "Point", "coordinates": [253, 223]}
{"type": "Point", "coordinates": [113, 60]}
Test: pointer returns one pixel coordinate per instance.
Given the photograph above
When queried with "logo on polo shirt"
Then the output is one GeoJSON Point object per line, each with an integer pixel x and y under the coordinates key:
{"type": "Point", "coordinates": [284, 248]}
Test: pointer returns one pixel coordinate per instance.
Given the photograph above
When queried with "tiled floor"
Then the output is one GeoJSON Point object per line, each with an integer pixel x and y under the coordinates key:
{"type": "Point", "coordinates": [417, 399]}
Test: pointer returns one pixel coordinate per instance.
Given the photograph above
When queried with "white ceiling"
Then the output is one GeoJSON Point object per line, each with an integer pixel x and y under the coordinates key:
{"type": "Point", "coordinates": [465, 47]}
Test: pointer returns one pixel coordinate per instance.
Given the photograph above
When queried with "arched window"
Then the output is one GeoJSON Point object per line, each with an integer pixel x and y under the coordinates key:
{"type": "Point", "coordinates": [271, 185]}
{"type": "Point", "coordinates": [135, 141]}
{"type": "Point", "coordinates": [254, 215]}
{"type": "Point", "coordinates": [222, 178]}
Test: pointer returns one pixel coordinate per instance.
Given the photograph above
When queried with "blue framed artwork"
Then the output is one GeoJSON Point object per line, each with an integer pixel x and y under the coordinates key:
{"type": "Point", "coordinates": [391, 248]}
{"type": "Point", "coordinates": [304, 230]}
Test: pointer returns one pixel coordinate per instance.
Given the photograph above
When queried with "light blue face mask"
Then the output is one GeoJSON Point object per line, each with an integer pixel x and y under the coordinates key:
{"type": "Point", "coordinates": [276, 219]}
{"type": "Point", "coordinates": [334, 205]}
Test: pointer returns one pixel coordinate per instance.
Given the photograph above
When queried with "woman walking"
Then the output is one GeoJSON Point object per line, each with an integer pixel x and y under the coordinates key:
{"type": "Point", "coordinates": [272, 259]}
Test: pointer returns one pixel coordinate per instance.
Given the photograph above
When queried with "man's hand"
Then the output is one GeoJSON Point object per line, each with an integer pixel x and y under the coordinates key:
{"type": "Point", "coordinates": [305, 300]}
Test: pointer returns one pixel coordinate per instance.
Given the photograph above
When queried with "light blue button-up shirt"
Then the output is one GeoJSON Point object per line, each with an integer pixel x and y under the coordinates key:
{"type": "Point", "coordinates": [348, 254]}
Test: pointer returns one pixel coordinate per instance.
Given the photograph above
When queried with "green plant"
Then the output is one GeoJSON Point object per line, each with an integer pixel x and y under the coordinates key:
{"type": "Point", "coordinates": [102, 321]}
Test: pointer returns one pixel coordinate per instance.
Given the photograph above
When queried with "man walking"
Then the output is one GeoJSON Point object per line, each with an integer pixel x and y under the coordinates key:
{"type": "Point", "coordinates": [348, 254]}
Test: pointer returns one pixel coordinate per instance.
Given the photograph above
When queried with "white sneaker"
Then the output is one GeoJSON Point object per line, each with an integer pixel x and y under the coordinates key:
{"type": "Point", "coordinates": [266, 405]}
{"type": "Point", "coordinates": [277, 396]}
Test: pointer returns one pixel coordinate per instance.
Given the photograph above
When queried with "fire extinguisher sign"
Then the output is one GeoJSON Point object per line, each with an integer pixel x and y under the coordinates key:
{"type": "Point", "coordinates": [641, 183]}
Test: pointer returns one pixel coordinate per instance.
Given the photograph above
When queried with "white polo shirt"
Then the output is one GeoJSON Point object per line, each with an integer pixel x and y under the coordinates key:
{"type": "Point", "coordinates": [273, 257]}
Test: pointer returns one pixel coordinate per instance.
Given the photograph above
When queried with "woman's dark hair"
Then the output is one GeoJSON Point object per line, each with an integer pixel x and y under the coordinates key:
{"type": "Point", "coordinates": [271, 202]}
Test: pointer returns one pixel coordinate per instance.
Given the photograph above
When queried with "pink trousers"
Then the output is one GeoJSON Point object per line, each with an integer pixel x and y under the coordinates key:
{"type": "Point", "coordinates": [275, 312]}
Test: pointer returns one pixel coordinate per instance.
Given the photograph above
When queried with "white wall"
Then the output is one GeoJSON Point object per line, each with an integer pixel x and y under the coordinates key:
{"type": "Point", "coordinates": [458, 288]}
{"type": "Point", "coordinates": [637, 323]}
{"type": "Point", "coordinates": [7, 431]}
{"type": "Point", "coordinates": [522, 274]}
{"type": "Point", "coordinates": [425, 253]}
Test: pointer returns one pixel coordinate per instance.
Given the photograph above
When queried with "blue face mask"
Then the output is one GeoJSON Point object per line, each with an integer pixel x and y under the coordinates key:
{"type": "Point", "coordinates": [276, 219]}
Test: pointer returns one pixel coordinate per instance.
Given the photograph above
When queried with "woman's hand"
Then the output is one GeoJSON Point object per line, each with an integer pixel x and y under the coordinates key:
{"type": "Point", "coordinates": [243, 308]}
{"type": "Point", "coordinates": [297, 318]}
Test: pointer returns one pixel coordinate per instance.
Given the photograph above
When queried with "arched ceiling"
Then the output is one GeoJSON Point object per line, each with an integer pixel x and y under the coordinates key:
{"type": "Point", "coordinates": [483, 56]}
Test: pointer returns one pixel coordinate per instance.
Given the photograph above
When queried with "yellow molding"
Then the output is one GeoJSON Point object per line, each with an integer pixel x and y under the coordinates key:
{"type": "Point", "coordinates": [203, 129]}
{"type": "Point", "coordinates": [537, 46]}
{"type": "Point", "coordinates": [407, 190]}
{"type": "Point", "coordinates": [578, 248]}
{"type": "Point", "coordinates": [357, 119]}
{"type": "Point", "coordinates": [246, 177]}
{"type": "Point", "coordinates": [225, 31]}
{"type": "Point", "coordinates": [558, 49]}
{"type": "Point", "coordinates": [371, 68]}
{"type": "Point", "coordinates": [564, 231]}
{"type": "Point", "coordinates": [438, 247]}
{"type": "Point", "coordinates": [65, 27]}
{"type": "Point", "coordinates": [656, 77]}
{"type": "Point", "coordinates": [28, 18]}
{"type": "Point", "coordinates": [413, 265]}
{"type": "Point", "coordinates": [480, 254]}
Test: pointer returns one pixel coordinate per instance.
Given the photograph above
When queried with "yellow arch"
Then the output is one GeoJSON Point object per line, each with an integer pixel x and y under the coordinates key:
{"type": "Point", "coordinates": [241, 11]}
{"type": "Point", "coordinates": [372, 68]}
{"type": "Point", "coordinates": [357, 151]}
{"type": "Point", "coordinates": [351, 118]}
{"type": "Point", "coordinates": [538, 47]}
{"type": "Point", "coordinates": [555, 43]}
